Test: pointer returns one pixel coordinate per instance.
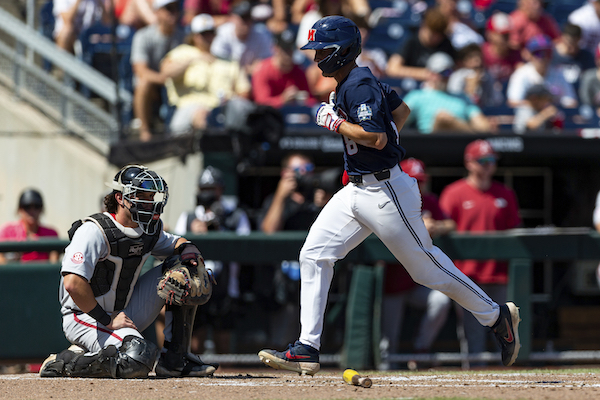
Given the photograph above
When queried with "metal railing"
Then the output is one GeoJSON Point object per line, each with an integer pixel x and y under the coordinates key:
{"type": "Point", "coordinates": [57, 98]}
{"type": "Point", "coordinates": [520, 245]}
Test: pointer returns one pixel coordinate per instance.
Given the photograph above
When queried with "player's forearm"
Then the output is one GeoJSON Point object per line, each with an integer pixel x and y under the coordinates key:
{"type": "Point", "coordinates": [400, 115]}
{"type": "Point", "coordinates": [377, 140]}
{"type": "Point", "coordinates": [80, 291]}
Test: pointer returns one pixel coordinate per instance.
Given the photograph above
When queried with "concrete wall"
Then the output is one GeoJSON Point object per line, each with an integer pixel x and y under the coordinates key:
{"type": "Point", "coordinates": [69, 174]}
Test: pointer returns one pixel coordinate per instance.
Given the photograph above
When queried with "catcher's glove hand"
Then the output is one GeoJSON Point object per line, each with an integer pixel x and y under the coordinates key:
{"type": "Point", "coordinates": [184, 284]}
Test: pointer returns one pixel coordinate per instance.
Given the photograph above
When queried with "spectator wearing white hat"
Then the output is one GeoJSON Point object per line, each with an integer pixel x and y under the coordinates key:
{"type": "Point", "coordinates": [197, 81]}
{"type": "Point", "coordinates": [148, 48]}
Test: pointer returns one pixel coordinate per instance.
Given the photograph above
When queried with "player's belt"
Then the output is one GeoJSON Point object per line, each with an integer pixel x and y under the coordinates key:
{"type": "Point", "coordinates": [380, 176]}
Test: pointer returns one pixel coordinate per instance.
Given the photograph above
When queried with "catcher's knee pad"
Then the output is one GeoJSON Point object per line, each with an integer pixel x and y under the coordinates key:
{"type": "Point", "coordinates": [136, 357]}
{"type": "Point", "coordinates": [102, 364]}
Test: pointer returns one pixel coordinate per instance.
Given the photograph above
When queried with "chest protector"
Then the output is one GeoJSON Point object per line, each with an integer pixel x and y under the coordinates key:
{"type": "Point", "coordinates": [131, 251]}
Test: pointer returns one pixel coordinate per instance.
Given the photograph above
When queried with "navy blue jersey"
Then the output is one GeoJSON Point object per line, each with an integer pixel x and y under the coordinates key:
{"type": "Point", "coordinates": [361, 99]}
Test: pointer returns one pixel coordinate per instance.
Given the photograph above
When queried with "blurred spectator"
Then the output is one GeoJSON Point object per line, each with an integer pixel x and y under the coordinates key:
{"type": "Point", "coordinates": [74, 16]}
{"type": "Point", "coordinates": [295, 204]}
{"type": "Point", "coordinates": [435, 110]}
{"type": "Point", "coordinates": [473, 81]}
{"type": "Point", "coordinates": [529, 20]}
{"type": "Point", "coordinates": [149, 46]}
{"type": "Point", "coordinates": [538, 113]}
{"type": "Point", "coordinates": [596, 219]}
{"type": "Point", "coordinates": [135, 13]}
{"type": "Point", "coordinates": [218, 9]}
{"type": "Point", "coordinates": [587, 17]}
{"type": "Point", "coordinates": [569, 58]}
{"type": "Point", "coordinates": [499, 59]}
{"type": "Point", "coordinates": [589, 87]}
{"type": "Point", "coordinates": [537, 70]}
{"type": "Point", "coordinates": [306, 12]}
{"type": "Point", "coordinates": [197, 82]}
{"type": "Point", "coordinates": [399, 288]}
{"type": "Point", "coordinates": [277, 81]}
{"type": "Point", "coordinates": [480, 204]}
{"type": "Point", "coordinates": [28, 227]}
{"type": "Point", "coordinates": [431, 38]}
{"type": "Point", "coordinates": [373, 58]}
{"type": "Point", "coordinates": [215, 212]}
{"type": "Point", "coordinates": [460, 32]}
{"type": "Point", "coordinates": [242, 40]}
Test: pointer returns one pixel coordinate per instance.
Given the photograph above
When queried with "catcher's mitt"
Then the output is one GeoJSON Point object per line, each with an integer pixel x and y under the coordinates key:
{"type": "Point", "coordinates": [184, 284]}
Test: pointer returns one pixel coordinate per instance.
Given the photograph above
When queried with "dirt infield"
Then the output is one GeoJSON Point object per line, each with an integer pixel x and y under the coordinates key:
{"type": "Point", "coordinates": [270, 384]}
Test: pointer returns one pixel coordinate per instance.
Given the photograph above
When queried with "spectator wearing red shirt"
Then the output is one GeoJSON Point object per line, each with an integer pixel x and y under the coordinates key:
{"type": "Point", "coordinates": [478, 203]}
{"type": "Point", "coordinates": [28, 227]}
{"type": "Point", "coordinates": [498, 58]}
{"type": "Point", "coordinates": [399, 288]}
{"type": "Point", "coordinates": [278, 81]}
{"type": "Point", "coordinates": [529, 20]}
{"type": "Point", "coordinates": [218, 9]}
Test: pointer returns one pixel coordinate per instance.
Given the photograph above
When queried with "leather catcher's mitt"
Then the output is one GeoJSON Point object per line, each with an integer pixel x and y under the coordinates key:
{"type": "Point", "coordinates": [184, 284]}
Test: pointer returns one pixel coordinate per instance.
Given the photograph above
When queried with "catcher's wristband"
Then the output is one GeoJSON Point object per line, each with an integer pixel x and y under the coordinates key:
{"type": "Point", "coordinates": [179, 249]}
{"type": "Point", "coordinates": [100, 315]}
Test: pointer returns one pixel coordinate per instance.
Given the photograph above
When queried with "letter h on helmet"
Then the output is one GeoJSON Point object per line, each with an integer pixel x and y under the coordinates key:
{"type": "Point", "coordinates": [338, 33]}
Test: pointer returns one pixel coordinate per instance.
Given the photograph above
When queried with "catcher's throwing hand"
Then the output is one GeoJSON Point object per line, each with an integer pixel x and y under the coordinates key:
{"type": "Point", "coordinates": [121, 321]}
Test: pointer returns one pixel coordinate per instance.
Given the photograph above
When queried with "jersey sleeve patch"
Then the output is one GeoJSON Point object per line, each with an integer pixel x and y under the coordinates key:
{"type": "Point", "coordinates": [364, 113]}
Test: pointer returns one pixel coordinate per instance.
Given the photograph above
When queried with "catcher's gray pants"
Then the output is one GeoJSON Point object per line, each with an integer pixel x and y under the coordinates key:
{"type": "Point", "coordinates": [143, 308]}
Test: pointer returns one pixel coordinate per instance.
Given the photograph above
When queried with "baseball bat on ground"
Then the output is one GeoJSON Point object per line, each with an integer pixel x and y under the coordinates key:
{"type": "Point", "coordinates": [353, 378]}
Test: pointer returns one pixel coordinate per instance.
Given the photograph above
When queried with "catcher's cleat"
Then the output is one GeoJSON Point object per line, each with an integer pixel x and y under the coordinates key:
{"type": "Point", "coordinates": [298, 357]}
{"type": "Point", "coordinates": [172, 365]}
{"type": "Point", "coordinates": [54, 365]}
{"type": "Point", "coordinates": [506, 330]}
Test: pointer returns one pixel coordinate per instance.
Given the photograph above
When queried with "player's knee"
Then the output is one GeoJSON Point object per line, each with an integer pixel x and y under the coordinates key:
{"type": "Point", "coordinates": [136, 357]}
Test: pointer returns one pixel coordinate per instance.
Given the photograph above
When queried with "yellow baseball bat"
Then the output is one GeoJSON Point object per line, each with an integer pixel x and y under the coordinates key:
{"type": "Point", "coordinates": [353, 378]}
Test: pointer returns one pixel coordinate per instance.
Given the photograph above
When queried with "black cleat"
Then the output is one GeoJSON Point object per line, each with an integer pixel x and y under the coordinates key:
{"type": "Point", "coordinates": [506, 330]}
{"type": "Point", "coordinates": [298, 357]}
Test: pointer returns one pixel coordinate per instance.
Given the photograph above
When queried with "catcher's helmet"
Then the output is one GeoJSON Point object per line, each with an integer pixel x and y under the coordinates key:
{"type": "Point", "coordinates": [338, 33]}
{"type": "Point", "coordinates": [146, 191]}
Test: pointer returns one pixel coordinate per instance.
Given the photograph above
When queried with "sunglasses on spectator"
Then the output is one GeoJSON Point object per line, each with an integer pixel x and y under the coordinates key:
{"type": "Point", "coordinates": [486, 160]}
{"type": "Point", "coordinates": [30, 207]}
{"type": "Point", "coordinates": [172, 8]}
{"type": "Point", "coordinates": [542, 53]}
{"type": "Point", "coordinates": [303, 169]}
{"type": "Point", "coordinates": [446, 73]}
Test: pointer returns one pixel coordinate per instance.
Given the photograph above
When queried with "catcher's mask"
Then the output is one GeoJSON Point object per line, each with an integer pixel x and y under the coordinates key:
{"type": "Point", "coordinates": [146, 191]}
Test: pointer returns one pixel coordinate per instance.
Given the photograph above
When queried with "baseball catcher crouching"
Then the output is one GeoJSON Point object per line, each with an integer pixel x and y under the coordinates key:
{"type": "Point", "coordinates": [106, 301]}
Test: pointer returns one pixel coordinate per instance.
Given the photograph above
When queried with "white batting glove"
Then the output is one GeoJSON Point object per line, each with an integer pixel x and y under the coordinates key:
{"type": "Point", "coordinates": [327, 117]}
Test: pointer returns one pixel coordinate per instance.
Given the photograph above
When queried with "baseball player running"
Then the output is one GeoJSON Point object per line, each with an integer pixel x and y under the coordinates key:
{"type": "Point", "coordinates": [105, 303]}
{"type": "Point", "coordinates": [379, 199]}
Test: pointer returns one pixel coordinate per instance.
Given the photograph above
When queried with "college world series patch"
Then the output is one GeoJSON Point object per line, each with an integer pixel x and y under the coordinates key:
{"type": "Point", "coordinates": [364, 112]}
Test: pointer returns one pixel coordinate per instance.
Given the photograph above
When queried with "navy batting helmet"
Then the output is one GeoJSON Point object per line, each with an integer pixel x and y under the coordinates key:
{"type": "Point", "coordinates": [338, 33]}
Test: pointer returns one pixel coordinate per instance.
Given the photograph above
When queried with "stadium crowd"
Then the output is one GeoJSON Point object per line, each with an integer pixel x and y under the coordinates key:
{"type": "Point", "coordinates": [518, 65]}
